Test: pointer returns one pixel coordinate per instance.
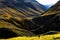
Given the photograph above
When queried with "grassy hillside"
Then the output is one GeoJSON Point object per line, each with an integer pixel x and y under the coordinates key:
{"type": "Point", "coordinates": [28, 25]}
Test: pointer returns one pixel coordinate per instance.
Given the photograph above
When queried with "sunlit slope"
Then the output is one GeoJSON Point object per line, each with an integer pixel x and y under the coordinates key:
{"type": "Point", "coordinates": [18, 31]}
{"type": "Point", "coordinates": [50, 37]}
{"type": "Point", "coordinates": [42, 37]}
{"type": "Point", "coordinates": [12, 16]}
{"type": "Point", "coordinates": [23, 9]}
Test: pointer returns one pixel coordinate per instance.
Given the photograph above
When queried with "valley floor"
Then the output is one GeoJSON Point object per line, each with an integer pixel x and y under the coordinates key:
{"type": "Point", "coordinates": [42, 37]}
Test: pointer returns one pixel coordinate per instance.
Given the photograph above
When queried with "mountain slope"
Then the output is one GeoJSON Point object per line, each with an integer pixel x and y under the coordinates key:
{"type": "Point", "coordinates": [55, 9]}
{"type": "Point", "coordinates": [23, 9]}
{"type": "Point", "coordinates": [49, 20]}
{"type": "Point", "coordinates": [27, 20]}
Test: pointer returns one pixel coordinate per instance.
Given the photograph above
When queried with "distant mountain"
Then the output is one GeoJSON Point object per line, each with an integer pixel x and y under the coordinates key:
{"type": "Point", "coordinates": [51, 9]}
{"type": "Point", "coordinates": [47, 6]}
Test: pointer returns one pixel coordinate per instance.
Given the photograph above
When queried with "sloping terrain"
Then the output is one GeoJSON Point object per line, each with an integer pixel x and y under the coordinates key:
{"type": "Point", "coordinates": [24, 19]}
{"type": "Point", "coordinates": [12, 16]}
{"type": "Point", "coordinates": [49, 21]}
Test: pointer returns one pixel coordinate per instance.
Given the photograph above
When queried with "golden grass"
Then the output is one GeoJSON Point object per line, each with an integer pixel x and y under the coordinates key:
{"type": "Point", "coordinates": [42, 37]}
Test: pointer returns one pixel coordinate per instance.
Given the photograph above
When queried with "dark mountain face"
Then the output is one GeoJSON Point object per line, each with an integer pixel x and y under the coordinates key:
{"type": "Point", "coordinates": [43, 24]}
{"type": "Point", "coordinates": [40, 25]}
{"type": "Point", "coordinates": [7, 33]}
